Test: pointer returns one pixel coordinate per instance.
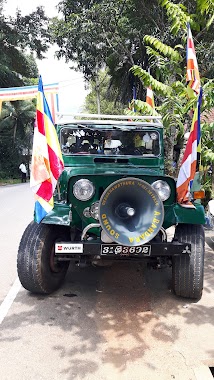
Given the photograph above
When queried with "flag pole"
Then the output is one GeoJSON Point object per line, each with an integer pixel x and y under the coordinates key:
{"type": "Point", "coordinates": [192, 155]}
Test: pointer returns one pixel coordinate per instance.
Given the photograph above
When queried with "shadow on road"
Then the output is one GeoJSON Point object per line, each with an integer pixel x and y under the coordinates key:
{"type": "Point", "coordinates": [112, 316]}
{"type": "Point", "coordinates": [210, 238]}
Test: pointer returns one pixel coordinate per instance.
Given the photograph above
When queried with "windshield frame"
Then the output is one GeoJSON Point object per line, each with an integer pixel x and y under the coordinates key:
{"type": "Point", "coordinates": [113, 129]}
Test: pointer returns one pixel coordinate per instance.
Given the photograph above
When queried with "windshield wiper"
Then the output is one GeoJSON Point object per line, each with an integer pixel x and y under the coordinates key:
{"type": "Point", "coordinates": [82, 126]}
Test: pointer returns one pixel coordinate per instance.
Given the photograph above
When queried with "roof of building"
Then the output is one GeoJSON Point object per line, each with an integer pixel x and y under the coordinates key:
{"type": "Point", "coordinates": [208, 116]}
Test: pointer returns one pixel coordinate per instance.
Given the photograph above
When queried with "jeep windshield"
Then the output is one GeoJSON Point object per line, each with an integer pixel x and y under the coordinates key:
{"type": "Point", "coordinates": [109, 140]}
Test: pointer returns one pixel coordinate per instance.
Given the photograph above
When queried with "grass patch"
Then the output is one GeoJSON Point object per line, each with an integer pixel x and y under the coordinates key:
{"type": "Point", "coordinates": [9, 181]}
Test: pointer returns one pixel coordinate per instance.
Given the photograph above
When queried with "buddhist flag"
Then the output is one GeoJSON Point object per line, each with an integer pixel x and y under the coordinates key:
{"type": "Point", "coordinates": [150, 97]}
{"type": "Point", "coordinates": [47, 163]}
{"type": "Point", "coordinates": [192, 74]}
{"type": "Point", "coordinates": [190, 160]}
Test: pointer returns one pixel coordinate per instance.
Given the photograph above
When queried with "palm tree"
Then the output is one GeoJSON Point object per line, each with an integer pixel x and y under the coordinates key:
{"type": "Point", "coordinates": [16, 134]}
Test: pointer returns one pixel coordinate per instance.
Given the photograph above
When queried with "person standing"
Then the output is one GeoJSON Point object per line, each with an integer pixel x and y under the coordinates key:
{"type": "Point", "coordinates": [23, 169]}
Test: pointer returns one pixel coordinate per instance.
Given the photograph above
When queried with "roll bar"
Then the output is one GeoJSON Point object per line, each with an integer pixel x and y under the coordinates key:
{"type": "Point", "coordinates": [99, 116]}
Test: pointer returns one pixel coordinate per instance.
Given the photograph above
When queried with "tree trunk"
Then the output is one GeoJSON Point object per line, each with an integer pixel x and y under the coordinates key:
{"type": "Point", "coordinates": [98, 94]}
{"type": "Point", "coordinates": [169, 152]}
{"type": "Point", "coordinates": [213, 177]}
{"type": "Point", "coordinates": [14, 131]}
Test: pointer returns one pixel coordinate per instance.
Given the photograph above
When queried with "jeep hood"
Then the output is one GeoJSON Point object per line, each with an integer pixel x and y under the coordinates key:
{"type": "Point", "coordinates": [103, 170]}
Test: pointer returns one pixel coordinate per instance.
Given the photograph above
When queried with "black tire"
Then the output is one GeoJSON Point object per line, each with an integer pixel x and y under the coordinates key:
{"type": "Point", "coordinates": [37, 269]}
{"type": "Point", "coordinates": [188, 270]}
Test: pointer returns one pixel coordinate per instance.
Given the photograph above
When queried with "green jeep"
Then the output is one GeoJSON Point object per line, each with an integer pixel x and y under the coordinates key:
{"type": "Point", "coordinates": [113, 202]}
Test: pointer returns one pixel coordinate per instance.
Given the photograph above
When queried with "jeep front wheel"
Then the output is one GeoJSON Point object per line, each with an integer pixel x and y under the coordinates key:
{"type": "Point", "coordinates": [188, 270]}
{"type": "Point", "coordinates": [38, 270]}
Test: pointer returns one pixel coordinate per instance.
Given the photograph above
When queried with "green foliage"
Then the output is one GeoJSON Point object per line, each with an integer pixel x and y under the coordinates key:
{"type": "Point", "coordinates": [16, 131]}
{"type": "Point", "coordinates": [8, 152]}
{"type": "Point", "coordinates": [32, 31]}
{"type": "Point", "coordinates": [172, 112]}
{"type": "Point", "coordinates": [206, 8]}
{"type": "Point", "coordinates": [207, 132]}
{"type": "Point", "coordinates": [98, 33]}
{"type": "Point", "coordinates": [107, 97]}
{"type": "Point", "coordinates": [77, 34]}
{"type": "Point", "coordinates": [18, 35]}
{"type": "Point", "coordinates": [148, 80]}
{"type": "Point", "coordinates": [177, 15]}
{"type": "Point", "coordinates": [207, 158]}
{"type": "Point", "coordinates": [115, 33]}
{"type": "Point", "coordinates": [171, 93]}
{"type": "Point", "coordinates": [175, 107]}
{"type": "Point", "coordinates": [141, 108]}
{"type": "Point", "coordinates": [166, 50]}
{"type": "Point", "coordinates": [208, 94]}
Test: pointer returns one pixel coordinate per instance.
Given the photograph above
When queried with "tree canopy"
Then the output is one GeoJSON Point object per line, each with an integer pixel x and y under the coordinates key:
{"type": "Point", "coordinates": [18, 34]}
{"type": "Point", "coordinates": [22, 39]}
{"type": "Point", "coordinates": [99, 32]}
{"type": "Point", "coordinates": [101, 88]}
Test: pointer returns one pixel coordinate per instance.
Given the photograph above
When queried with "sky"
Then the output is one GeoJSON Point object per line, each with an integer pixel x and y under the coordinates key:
{"type": "Point", "coordinates": [72, 91]}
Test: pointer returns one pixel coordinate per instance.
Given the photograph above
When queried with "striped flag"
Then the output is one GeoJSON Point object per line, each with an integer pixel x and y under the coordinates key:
{"type": "Point", "coordinates": [47, 163]}
{"type": "Point", "coordinates": [192, 74]}
{"type": "Point", "coordinates": [150, 97]}
{"type": "Point", "coordinates": [189, 162]}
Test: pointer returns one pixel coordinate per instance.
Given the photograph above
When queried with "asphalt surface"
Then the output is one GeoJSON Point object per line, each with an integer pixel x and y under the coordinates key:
{"type": "Point", "coordinates": [118, 323]}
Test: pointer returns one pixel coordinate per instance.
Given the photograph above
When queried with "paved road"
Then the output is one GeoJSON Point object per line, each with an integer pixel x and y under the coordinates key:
{"type": "Point", "coordinates": [119, 323]}
{"type": "Point", "coordinates": [210, 239]}
{"type": "Point", "coordinates": [16, 207]}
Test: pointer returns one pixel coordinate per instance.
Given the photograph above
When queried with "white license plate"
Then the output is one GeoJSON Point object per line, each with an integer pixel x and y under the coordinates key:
{"type": "Point", "coordinates": [121, 250]}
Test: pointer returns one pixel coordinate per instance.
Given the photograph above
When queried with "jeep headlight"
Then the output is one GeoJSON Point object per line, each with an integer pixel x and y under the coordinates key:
{"type": "Point", "coordinates": [83, 189]}
{"type": "Point", "coordinates": [162, 188]}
